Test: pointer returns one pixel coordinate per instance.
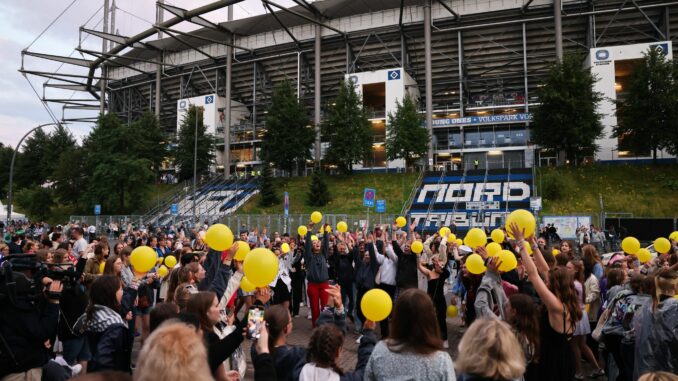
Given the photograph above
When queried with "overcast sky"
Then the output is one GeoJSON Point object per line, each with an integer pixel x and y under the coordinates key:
{"type": "Point", "coordinates": [21, 21]}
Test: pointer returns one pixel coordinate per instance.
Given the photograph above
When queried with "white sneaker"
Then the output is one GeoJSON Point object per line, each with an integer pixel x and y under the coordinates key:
{"type": "Point", "coordinates": [357, 341]}
{"type": "Point", "coordinates": [446, 345]}
{"type": "Point", "coordinates": [309, 316]}
{"type": "Point", "coordinates": [76, 369]}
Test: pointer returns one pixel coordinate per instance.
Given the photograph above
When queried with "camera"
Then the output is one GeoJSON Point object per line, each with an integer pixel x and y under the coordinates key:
{"type": "Point", "coordinates": [21, 278]}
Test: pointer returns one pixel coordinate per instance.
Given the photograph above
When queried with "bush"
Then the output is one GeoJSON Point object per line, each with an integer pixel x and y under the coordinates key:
{"type": "Point", "coordinates": [553, 187]}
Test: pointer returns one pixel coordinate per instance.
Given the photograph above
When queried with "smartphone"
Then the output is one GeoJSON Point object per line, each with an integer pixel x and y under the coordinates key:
{"type": "Point", "coordinates": [332, 282]}
{"type": "Point", "coordinates": [255, 318]}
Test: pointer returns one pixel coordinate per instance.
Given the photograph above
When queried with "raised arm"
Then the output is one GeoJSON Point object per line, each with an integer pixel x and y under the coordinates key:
{"type": "Point", "coordinates": [539, 260]}
{"type": "Point", "coordinates": [550, 301]}
{"type": "Point", "coordinates": [424, 270]}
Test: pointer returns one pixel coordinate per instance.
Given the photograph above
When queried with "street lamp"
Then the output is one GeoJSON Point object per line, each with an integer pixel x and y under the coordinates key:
{"type": "Point", "coordinates": [11, 168]}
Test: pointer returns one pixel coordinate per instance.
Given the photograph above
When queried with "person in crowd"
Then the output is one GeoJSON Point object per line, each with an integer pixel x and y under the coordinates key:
{"type": "Point", "coordinates": [173, 351]}
{"type": "Point", "coordinates": [346, 264]}
{"type": "Point", "coordinates": [282, 283]}
{"type": "Point", "coordinates": [298, 276]}
{"type": "Point", "coordinates": [162, 312]}
{"type": "Point", "coordinates": [658, 376]}
{"type": "Point", "coordinates": [413, 346]}
{"type": "Point", "coordinates": [490, 297]}
{"type": "Point", "coordinates": [489, 351]}
{"type": "Point", "coordinates": [560, 314]}
{"type": "Point", "coordinates": [105, 327]}
{"type": "Point", "coordinates": [205, 306]}
{"type": "Point", "coordinates": [315, 258]}
{"type": "Point", "coordinates": [583, 328]}
{"type": "Point", "coordinates": [522, 314]}
{"type": "Point", "coordinates": [592, 261]}
{"type": "Point", "coordinates": [657, 335]}
{"type": "Point", "coordinates": [386, 276]}
{"type": "Point", "coordinates": [113, 266]}
{"type": "Point", "coordinates": [436, 276]}
{"type": "Point", "coordinates": [567, 249]}
{"type": "Point", "coordinates": [80, 245]}
{"type": "Point", "coordinates": [366, 269]}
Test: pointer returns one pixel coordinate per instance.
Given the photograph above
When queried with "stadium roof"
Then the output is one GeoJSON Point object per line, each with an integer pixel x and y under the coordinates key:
{"type": "Point", "coordinates": [326, 9]}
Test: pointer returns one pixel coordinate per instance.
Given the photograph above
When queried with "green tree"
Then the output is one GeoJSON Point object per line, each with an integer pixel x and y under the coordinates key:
{"type": "Point", "coordinates": [30, 169]}
{"type": "Point", "coordinates": [36, 202]}
{"type": "Point", "coordinates": [318, 192]}
{"type": "Point", "coordinates": [347, 129]}
{"type": "Point", "coordinates": [183, 156]}
{"type": "Point", "coordinates": [6, 153]}
{"type": "Point", "coordinates": [69, 177]}
{"type": "Point", "coordinates": [647, 113]}
{"type": "Point", "coordinates": [151, 143]}
{"type": "Point", "coordinates": [405, 137]}
{"type": "Point", "coordinates": [268, 196]}
{"type": "Point", "coordinates": [567, 119]}
{"type": "Point", "coordinates": [60, 140]}
{"type": "Point", "coordinates": [288, 139]}
{"type": "Point", "coordinates": [119, 176]}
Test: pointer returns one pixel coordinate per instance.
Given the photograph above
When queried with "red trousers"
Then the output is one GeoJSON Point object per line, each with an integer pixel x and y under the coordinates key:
{"type": "Point", "coordinates": [318, 298]}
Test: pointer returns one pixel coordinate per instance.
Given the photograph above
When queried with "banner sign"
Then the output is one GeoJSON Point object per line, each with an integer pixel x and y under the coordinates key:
{"type": "Point", "coordinates": [485, 119]}
{"type": "Point", "coordinates": [368, 197]}
{"type": "Point", "coordinates": [97, 210]}
{"type": "Point", "coordinates": [381, 206]}
{"type": "Point", "coordinates": [174, 209]}
{"type": "Point", "coordinates": [287, 204]}
{"type": "Point", "coordinates": [470, 201]}
{"type": "Point", "coordinates": [566, 226]}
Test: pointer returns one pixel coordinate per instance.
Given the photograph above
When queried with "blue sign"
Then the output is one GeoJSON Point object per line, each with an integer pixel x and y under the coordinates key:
{"type": "Point", "coordinates": [97, 209]}
{"type": "Point", "coordinates": [661, 48]}
{"type": "Point", "coordinates": [209, 99]}
{"type": "Point", "coordinates": [393, 75]}
{"type": "Point", "coordinates": [467, 120]}
{"type": "Point", "coordinates": [381, 206]}
{"type": "Point", "coordinates": [174, 209]}
{"type": "Point", "coordinates": [368, 197]}
{"type": "Point", "coordinates": [602, 54]}
{"type": "Point", "coordinates": [287, 204]}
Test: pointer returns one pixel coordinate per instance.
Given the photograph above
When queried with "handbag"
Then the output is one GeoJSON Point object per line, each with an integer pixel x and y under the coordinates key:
{"type": "Point", "coordinates": [597, 333]}
{"type": "Point", "coordinates": [143, 302]}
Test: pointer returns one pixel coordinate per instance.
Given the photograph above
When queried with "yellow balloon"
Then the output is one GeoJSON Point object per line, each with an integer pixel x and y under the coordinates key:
{"type": "Point", "coordinates": [219, 237]}
{"type": "Point", "coordinates": [417, 247]}
{"type": "Point", "coordinates": [508, 261]}
{"type": "Point", "coordinates": [102, 265]}
{"type": "Point", "coordinates": [342, 227]}
{"type": "Point", "coordinates": [555, 252]}
{"type": "Point", "coordinates": [285, 248]}
{"type": "Point", "coordinates": [452, 311]}
{"type": "Point", "coordinates": [143, 258]}
{"type": "Point", "coordinates": [662, 245]}
{"type": "Point", "coordinates": [674, 236]}
{"type": "Point", "coordinates": [260, 267]}
{"type": "Point", "coordinates": [451, 237]}
{"type": "Point", "coordinates": [170, 261]}
{"type": "Point", "coordinates": [314, 237]}
{"type": "Point", "coordinates": [493, 249]}
{"type": "Point", "coordinates": [376, 304]}
{"type": "Point", "coordinates": [246, 285]}
{"type": "Point", "coordinates": [401, 221]}
{"type": "Point", "coordinates": [529, 249]}
{"type": "Point", "coordinates": [475, 237]}
{"type": "Point", "coordinates": [242, 251]}
{"type": "Point", "coordinates": [459, 242]}
{"type": "Point", "coordinates": [444, 231]}
{"type": "Point", "coordinates": [475, 264]}
{"type": "Point", "coordinates": [163, 271]}
{"type": "Point", "coordinates": [316, 217]}
{"type": "Point", "coordinates": [644, 255]}
{"type": "Point", "coordinates": [328, 229]}
{"type": "Point", "coordinates": [498, 235]}
{"type": "Point", "coordinates": [302, 230]}
{"type": "Point", "coordinates": [525, 221]}
{"type": "Point", "coordinates": [630, 245]}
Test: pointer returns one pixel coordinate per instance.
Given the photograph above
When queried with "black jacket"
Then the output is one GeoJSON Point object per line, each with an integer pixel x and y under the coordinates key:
{"type": "Point", "coordinates": [406, 276]}
{"type": "Point", "coordinates": [111, 349]}
{"type": "Point", "coordinates": [365, 273]}
{"type": "Point", "coordinates": [345, 270]}
{"type": "Point", "coordinates": [25, 330]}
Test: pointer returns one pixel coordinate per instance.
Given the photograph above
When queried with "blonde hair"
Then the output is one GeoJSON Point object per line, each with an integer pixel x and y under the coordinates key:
{"type": "Point", "coordinates": [658, 376]}
{"type": "Point", "coordinates": [174, 351]}
{"type": "Point", "coordinates": [490, 349]}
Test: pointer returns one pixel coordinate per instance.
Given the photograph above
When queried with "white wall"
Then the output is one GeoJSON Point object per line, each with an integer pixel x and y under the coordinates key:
{"type": "Point", "coordinates": [602, 63]}
{"type": "Point", "coordinates": [395, 92]}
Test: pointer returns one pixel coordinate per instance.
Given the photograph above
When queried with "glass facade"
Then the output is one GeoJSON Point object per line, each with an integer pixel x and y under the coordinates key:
{"type": "Point", "coordinates": [505, 135]}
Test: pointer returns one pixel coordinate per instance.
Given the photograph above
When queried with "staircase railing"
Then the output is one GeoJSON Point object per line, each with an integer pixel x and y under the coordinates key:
{"type": "Point", "coordinates": [410, 199]}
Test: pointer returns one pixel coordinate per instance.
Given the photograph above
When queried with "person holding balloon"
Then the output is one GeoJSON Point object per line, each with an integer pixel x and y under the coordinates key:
{"type": "Point", "coordinates": [490, 297]}
{"type": "Point", "coordinates": [560, 313]}
{"type": "Point", "coordinates": [436, 276]}
{"type": "Point", "coordinates": [282, 283]}
{"type": "Point", "coordinates": [315, 260]}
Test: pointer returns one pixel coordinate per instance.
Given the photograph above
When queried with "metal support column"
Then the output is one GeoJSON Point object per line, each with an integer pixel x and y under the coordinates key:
{"type": "Point", "coordinates": [316, 116]}
{"type": "Point", "coordinates": [429, 79]}
{"type": "Point", "coordinates": [558, 24]}
{"type": "Point", "coordinates": [227, 106]}
{"type": "Point", "coordinates": [104, 46]}
{"type": "Point", "coordinates": [159, 15]}
{"type": "Point", "coordinates": [460, 60]}
{"type": "Point", "coordinates": [667, 24]}
{"type": "Point", "coordinates": [254, 107]}
{"type": "Point", "coordinates": [526, 97]}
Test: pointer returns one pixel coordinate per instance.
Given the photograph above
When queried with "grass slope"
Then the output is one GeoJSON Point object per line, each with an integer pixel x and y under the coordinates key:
{"type": "Point", "coordinates": [645, 191]}
{"type": "Point", "coordinates": [346, 193]}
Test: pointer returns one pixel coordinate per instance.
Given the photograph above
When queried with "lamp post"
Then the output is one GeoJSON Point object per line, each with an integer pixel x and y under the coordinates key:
{"type": "Point", "coordinates": [11, 168]}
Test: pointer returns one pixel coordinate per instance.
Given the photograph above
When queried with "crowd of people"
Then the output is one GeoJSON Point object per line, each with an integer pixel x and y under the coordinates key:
{"type": "Point", "coordinates": [559, 308]}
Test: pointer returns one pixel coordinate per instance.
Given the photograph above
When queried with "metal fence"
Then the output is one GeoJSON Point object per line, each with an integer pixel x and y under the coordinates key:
{"type": "Point", "coordinates": [272, 222]}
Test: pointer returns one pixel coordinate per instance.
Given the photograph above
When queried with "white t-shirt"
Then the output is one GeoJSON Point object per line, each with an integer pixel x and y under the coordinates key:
{"type": "Point", "coordinates": [80, 246]}
{"type": "Point", "coordinates": [92, 229]}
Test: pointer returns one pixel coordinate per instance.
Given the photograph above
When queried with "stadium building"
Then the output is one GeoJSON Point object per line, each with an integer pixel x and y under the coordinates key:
{"type": "Point", "coordinates": [474, 65]}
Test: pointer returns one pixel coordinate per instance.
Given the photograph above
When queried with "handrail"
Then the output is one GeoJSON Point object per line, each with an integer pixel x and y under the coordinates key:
{"type": "Point", "coordinates": [413, 193]}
